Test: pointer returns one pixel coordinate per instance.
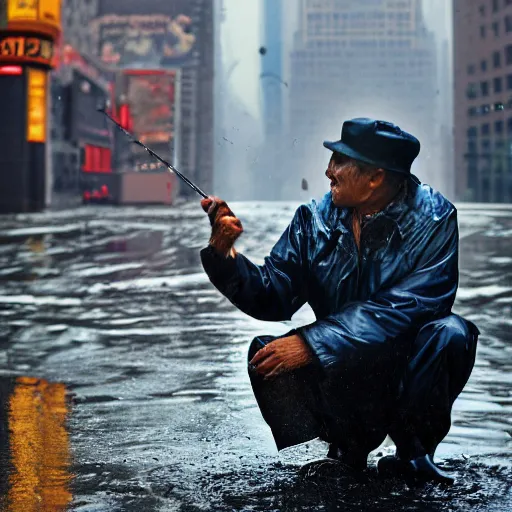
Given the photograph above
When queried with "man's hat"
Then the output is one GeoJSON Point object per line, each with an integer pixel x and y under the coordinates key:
{"type": "Point", "coordinates": [377, 143]}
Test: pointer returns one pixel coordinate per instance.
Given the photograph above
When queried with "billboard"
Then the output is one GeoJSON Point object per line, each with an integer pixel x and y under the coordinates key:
{"type": "Point", "coordinates": [36, 105]}
{"type": "Point", "coordinates": [26, 49]}
{"type": "Point", "coordinates": [38, 15]}
{"type": "Point", "coordinates": [145, 41]}
{"type": "Point", "coordinates": [151, 98]}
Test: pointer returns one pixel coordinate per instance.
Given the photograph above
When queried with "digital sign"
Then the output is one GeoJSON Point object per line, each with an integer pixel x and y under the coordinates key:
{"type": "Point", "coordinates": [144, 41]}
{"type": "Point", "coordinates": [152, 100]}
{"type": "Point", "coordinates": [23, 49]}
{"type": "Point", "coordinates": [36, 15]}
{"type": "Point", "coordinates": [36, 109]}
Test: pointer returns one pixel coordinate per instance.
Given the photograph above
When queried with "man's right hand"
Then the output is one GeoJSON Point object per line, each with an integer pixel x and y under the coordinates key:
{"type": "Point", "coordinates": [226, 227]}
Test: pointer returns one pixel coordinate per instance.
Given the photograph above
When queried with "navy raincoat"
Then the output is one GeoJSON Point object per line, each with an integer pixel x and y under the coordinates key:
{"type": "Point", "coordinates": [370, 304]}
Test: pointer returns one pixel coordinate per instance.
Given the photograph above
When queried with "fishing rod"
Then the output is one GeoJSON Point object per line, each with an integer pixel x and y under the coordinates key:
{"type": "Point", "coordinates": [152, 153]}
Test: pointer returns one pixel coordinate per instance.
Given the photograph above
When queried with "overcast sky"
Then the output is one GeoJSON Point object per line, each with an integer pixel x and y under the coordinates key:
{"type": "Point", "coordinates": [241, 38]}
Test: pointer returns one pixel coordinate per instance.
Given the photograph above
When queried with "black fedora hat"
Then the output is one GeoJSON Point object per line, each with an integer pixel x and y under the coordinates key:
{"type": "Point", "coordinates": [377, 143]}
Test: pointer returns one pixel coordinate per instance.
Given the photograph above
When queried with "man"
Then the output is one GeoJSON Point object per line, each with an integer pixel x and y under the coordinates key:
{"type": "Point", "coordinates": [377, 261]}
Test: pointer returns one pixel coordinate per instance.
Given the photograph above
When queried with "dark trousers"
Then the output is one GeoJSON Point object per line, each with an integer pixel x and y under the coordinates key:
{"type": "Point", "coordinates": [357, 412]}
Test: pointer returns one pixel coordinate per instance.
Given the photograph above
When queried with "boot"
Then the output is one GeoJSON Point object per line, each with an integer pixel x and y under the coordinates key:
{"type": "Point", "coordinates": [420, 469]}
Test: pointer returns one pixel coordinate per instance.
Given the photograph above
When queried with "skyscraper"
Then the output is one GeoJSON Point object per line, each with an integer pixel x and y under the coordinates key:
{"type": "Point", "coordinates": [483, 99]}
{"type": "Point", "coordinates": [355, 58]}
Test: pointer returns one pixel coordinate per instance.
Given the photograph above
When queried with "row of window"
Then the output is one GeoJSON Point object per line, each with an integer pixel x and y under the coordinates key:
{"type": "Point", "coordinates": [483, 110]}
{"type": "Point", "coordinates": [499, 147]}
{"type": "Point", "coordinates": [496, 60]}
{"type": "Point", "coordinates": [485, 129]}
{"type": "Point", "coordinates": [475, 90]}
{"type": "Point", "coordinates": [495, 27]}
{"type": "Point", "coordinates": [358, 15]}
{"type": "Point", "coordinates": [496, 4]}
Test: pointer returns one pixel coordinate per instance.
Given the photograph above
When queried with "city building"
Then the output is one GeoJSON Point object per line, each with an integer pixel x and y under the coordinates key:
{"type": "Point", "coordinates": [361, 59]}
{"type": "Point", "coordinates": [163, 38]}
{"type": "Point", "coordinates": [82, 141]}
{"type": "Point", "coordinates": [28, 36]}
{"type": "Point", "coordinates": [483, 99]}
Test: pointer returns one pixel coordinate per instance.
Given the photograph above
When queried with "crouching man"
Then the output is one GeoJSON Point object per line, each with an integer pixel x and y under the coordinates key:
{"type": "Point", "coordinates": [377, 261]}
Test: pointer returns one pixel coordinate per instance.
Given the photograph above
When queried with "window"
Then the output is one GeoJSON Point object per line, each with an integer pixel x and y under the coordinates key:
{"type": "Point", "coordinates": [483, 66]}
{"type": "Point", "coordinates": [482, 10]}
{"type": "Point", "coordinates": [485, 129]}
{"type": "Point", "coordinates": [472, 91]}
{"type": "Point", "coordinates": [472, 131]}
{"type": "Point", "coordinates": [485, 109]}
{"type": "Point", "coordinates": [482, 31]}
{"type": "Point", "coordinates": [508, 23]}
{"type": "Point", "coordinates": [496, 29]}
{"type": "Point", "coordinates": [509, 82]}
{"type": "Point", "coordinates": [495, 5]}
{"type": "Point", "coordinates": [496, 59]}
{"type": "Point", "coordinates": [498, 127]}
{"type": "Point", "coordinates": [508, 53]}
{"type": "Point", "coordinates": [509, 125]}
{"type": "Point", "coordinates": [484, 88]}
{"type": "Point", "coordinates": [471, 69]}
{"type": "Point", "coordinates": [498, 85]}
{"type": "Point", "coordinates": [472, 111]}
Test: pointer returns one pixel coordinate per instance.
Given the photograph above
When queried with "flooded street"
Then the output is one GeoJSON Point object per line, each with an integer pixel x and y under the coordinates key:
{"type": "Point", "coordinates": [123, 380]}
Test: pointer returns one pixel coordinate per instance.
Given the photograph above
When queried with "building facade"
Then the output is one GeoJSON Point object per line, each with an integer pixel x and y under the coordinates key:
{"type": "Point", "coordinates": [362, 59]}
{"type": "Point", "coordinates": [172, 36]}
{"type": "Point", "coordinates": [483, 99]}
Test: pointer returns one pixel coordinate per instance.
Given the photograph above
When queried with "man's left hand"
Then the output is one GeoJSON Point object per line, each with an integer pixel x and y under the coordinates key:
{"type": "Point", "coordinates": [282, 355]}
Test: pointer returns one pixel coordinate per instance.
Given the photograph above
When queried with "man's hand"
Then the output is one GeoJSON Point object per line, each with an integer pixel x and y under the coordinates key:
{"type": "Point", "coordinates": [282, 355]}
{"type": "Point", "coordinates": [226, 227]}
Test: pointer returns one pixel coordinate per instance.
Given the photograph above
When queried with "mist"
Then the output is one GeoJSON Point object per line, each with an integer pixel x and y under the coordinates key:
{"type": "Point", "coordinates": [256, 161]}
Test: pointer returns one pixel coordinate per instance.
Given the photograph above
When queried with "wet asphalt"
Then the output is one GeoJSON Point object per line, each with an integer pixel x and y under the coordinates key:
{"type": "Point", "coordinates": [123, 382]}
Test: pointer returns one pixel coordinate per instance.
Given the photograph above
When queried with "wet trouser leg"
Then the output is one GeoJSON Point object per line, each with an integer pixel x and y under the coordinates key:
{"type": "Point", "coordinates": [288, 402]}
{"type": "Point", "coordinates": [439, 366]}
{"type": "Point", "coordinates": [303, 405]}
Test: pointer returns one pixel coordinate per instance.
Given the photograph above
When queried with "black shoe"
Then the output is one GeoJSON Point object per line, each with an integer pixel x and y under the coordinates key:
{"type": "Point", "coordinates": [421, 469]}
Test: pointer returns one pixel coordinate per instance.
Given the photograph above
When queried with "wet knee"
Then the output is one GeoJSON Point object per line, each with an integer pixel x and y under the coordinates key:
{"type": "Point", "coordinates": [455, 333]}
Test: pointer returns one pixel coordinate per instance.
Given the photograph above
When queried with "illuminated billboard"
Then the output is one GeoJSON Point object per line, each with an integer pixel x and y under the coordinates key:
{"type": "Point", "coordinates": [42, 16]}
{"type": "Point", "coordinates": [26, 49]}
{"type": "Point", "coordinates": [146, 41]}
{"type": "Point", "coordinates": [36, 105]}
{"type": "Point", "coordinates": [152, 104]}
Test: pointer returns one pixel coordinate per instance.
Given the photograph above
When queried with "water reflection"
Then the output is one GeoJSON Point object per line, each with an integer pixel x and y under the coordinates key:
{"type": "Point", "coordinates": [34, 446]}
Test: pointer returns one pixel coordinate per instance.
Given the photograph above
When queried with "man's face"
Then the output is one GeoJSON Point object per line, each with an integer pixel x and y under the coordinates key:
{"type": "Point", "coordinates": [349, 186]}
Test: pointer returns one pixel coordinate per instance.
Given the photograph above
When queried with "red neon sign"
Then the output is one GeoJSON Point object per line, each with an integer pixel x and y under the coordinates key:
{"type": "Point", "coordinates": [11, 70]}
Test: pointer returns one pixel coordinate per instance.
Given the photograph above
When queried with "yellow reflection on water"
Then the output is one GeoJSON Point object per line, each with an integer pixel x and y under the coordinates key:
{"type": "Point", "coordinates": [39, 446]}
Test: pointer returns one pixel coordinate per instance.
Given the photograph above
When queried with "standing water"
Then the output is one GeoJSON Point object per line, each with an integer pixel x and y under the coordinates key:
{"type": "Point", "coordinates": [123, 379]}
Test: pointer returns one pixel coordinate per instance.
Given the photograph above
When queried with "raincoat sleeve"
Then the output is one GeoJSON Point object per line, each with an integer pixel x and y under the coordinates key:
{"type": "Point", "coordinates": [364, 331]}
{"type": "Point", "coordinates": [273, 291]}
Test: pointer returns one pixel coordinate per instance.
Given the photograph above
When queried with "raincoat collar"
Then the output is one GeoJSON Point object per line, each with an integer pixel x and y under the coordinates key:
{"type": "Point", "coordinates": [396, 211]}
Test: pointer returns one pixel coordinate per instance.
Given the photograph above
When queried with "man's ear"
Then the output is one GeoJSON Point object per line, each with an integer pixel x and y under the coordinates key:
{"type": "Point", "coordinates": [377, 178]}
